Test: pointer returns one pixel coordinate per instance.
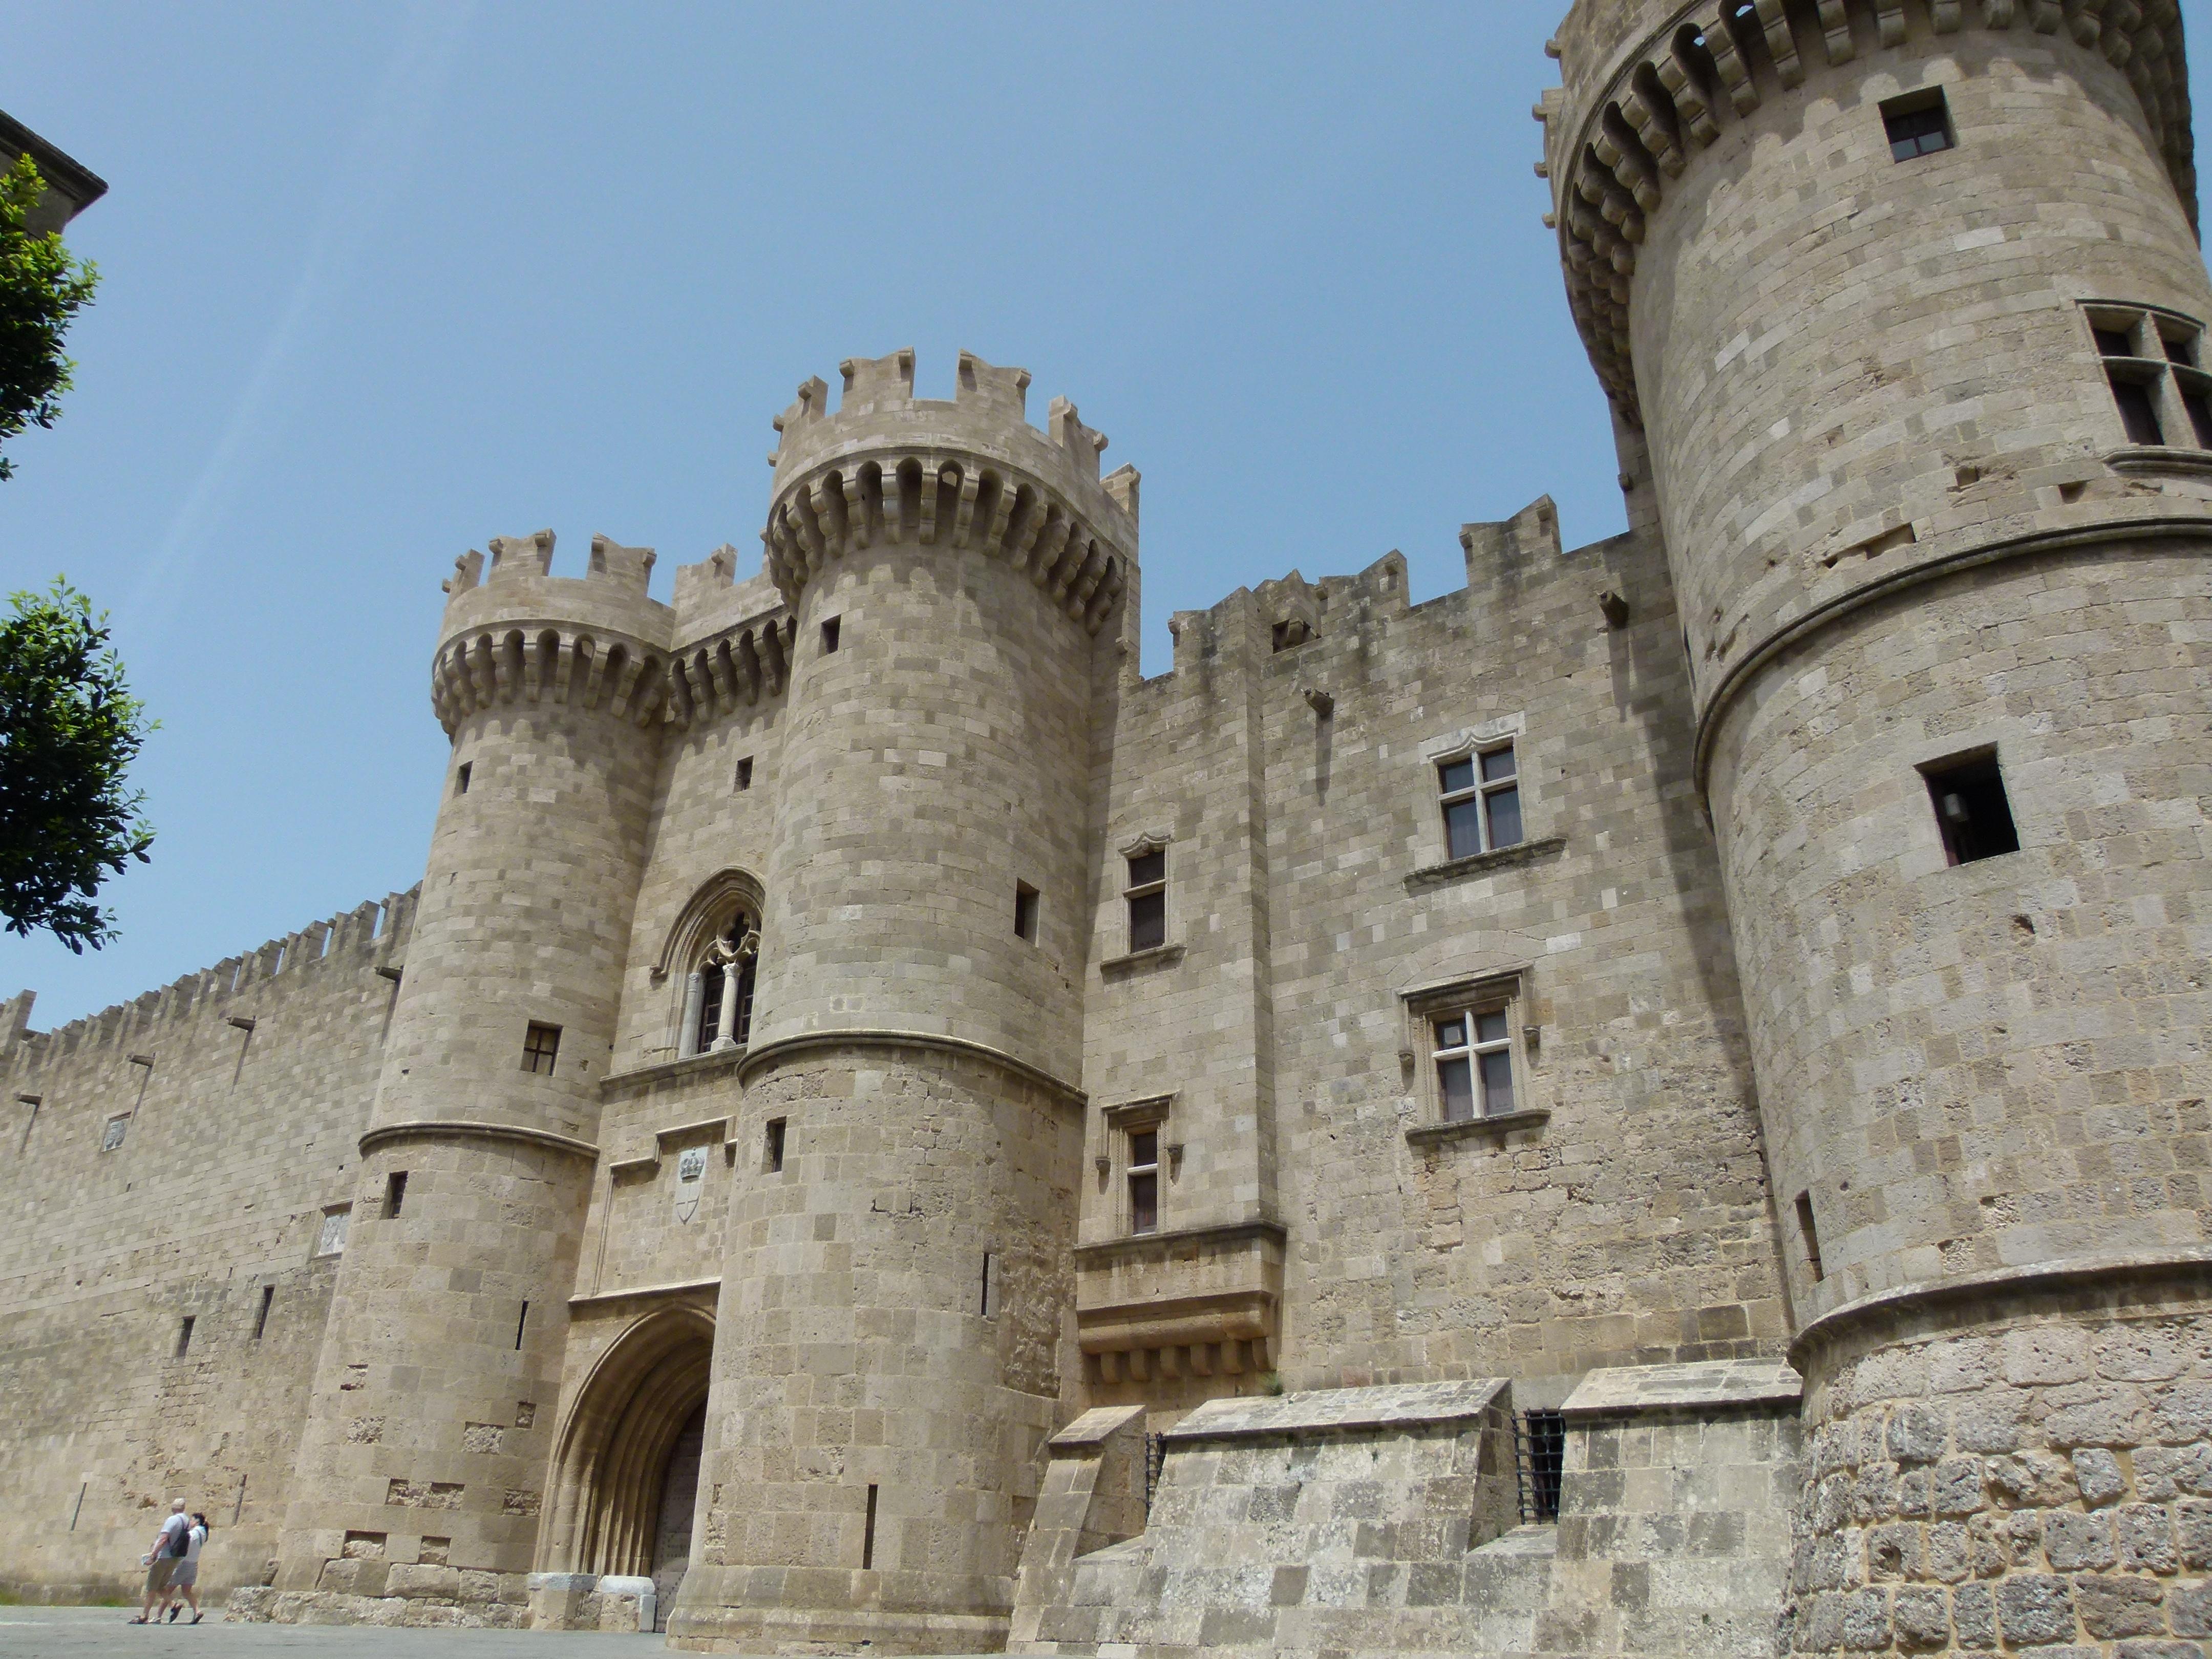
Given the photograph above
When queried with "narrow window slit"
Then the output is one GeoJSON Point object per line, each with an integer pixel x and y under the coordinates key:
{"type": "Point", "coordinates": [1811, 1235]}
{"type": "Point", "coordinates": [868, 1535]}
{"type": "Point", "coordinates": [184, 1336]}
{"type": "Point", "coordinates": [261, 1318]}
{"type": "Point", "coordinates": [522, 1320]}
{"type": "Point", "coordinates": [395, 1193]}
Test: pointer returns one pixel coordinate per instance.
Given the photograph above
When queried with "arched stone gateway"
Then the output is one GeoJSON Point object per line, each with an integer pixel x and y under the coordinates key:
{"type": "Point", "coordinates": [627, 1467]}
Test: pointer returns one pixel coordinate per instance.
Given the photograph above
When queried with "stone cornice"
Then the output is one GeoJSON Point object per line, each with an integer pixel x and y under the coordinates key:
{"type": "Point", "coordinates": [763, 1055]}
{"type": "Point", "coordinates": [2103, 532]}
{"type": "Point", "coordinates": [623, 1085]}
{"type": "Point", "coordinates": [465, 1129]}
{"type": "Point", "coordinates": [1137, 1245]}
{"type": "Point", "coordinates": [2125, 1273]}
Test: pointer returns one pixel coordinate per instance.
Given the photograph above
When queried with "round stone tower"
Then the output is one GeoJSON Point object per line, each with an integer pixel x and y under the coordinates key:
{"type": "Point", "coordinates": [1900, 308]}
{"type": "Point", "coordinates": [426, 1440]}
{"type": "Point", "coordinates": [890, 1350]}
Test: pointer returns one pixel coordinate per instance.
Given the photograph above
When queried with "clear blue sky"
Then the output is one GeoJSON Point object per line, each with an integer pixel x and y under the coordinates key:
{"type": "Point", "coordinates": [380, 282]}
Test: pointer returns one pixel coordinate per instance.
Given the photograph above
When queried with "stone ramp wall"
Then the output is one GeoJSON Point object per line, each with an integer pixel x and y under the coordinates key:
{"type": "Point", "coordinates": [1342, 1520]}
{"type": "Point", "coordinates": [1381, 1521]}
{"type": "Point", "coordinates": [1675, 1513]}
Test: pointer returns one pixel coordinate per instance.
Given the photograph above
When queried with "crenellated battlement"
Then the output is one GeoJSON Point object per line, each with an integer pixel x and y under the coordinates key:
{"type": "Point", "coordinates": [374, 933]}
{"type": "Point", "coordinates": [890, 468]}
{"type": "Point", "coordinates": [1651, 83]}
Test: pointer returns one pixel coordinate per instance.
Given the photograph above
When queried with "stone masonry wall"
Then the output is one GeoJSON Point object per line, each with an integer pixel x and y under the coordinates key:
{"type": "Point", "coordinates": [234, 1142]}
{"type": "Point", "coordinates": [1629, 1225]}
{"type": "Point", "coordinates": [2004, 1470]}
{"type": "Point", "coordinates": [1998, 1063]}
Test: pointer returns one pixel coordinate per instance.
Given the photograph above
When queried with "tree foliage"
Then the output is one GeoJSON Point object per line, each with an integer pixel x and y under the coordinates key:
{"type": "Point", "coordinates": [69, 731]}
{"type": "Point", "coordinates": [41, 289]}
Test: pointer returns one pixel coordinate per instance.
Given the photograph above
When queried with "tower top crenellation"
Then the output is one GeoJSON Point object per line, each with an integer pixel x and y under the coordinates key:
{"type": "Point", "coordinates": [1649, 84]}
{"type": "Point", "coordinates": [971, 472]}
{"type": "Point", "coordinates": [988, 415]}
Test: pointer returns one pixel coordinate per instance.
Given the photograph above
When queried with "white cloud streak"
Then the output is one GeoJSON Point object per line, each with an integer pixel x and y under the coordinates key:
{"type": "Point", "coordinates": [366, 183]}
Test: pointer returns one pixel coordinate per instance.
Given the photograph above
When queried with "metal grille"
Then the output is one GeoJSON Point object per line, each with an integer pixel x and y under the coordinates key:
{"type": "Point", "coordinates": [1540, 1450]}
{"type": "Point", "coordinates": [1156, 1455]}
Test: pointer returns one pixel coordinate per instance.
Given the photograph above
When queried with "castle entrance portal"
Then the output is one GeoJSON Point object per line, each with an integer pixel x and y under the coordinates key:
{"type": "Point", "coordinates": [627, 1469]}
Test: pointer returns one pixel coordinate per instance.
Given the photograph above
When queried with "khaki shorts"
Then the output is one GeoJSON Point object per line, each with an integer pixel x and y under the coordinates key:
{"type": "Point", "coordinates": [157, 1576]}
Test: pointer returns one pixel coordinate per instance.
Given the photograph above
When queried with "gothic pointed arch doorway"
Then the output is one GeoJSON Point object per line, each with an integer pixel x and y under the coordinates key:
{"type": "Point", "coordinates": [627, 1463]}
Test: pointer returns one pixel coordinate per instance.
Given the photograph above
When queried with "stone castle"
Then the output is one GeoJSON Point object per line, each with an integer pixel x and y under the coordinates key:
{"type": "Point", "coordinates": [1654, 1104]}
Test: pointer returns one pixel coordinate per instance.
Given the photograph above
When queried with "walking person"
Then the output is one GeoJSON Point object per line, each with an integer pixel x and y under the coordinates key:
{"type": "Point", "coordinates": [161, 1560]}
{"type": "Point", "coordinates": [184, 1580]}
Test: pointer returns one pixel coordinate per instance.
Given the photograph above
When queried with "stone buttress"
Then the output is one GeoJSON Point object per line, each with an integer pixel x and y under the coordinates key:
{"type": "Point", "coordinates": [1898, 305]}
{"type": "Point", "coordinates": [894, 1331]}
{"type": "Point", "coordinates": [423, 1464]}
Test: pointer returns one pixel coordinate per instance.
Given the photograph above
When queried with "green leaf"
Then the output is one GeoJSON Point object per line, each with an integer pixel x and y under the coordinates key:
{"type": "Point", "coordinates": [68, 730]}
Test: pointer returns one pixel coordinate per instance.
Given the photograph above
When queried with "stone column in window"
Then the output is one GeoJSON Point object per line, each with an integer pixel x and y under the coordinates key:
{"type": "Point", "coordinates": [725, 1022]}
{"type": "Point", "coordinates": [695, 1001]}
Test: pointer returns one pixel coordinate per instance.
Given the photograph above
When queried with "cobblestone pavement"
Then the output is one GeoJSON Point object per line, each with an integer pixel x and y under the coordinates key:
{"type": "Point", "coordinates": [97, 1632]}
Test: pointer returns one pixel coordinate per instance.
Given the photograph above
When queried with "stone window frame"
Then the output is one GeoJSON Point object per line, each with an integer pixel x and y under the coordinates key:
{"type": "Point", "coordinates": [115, 1131]}
{"type": "Point", "coordinates": [1481, 791]}
{"type": "Point", "coordinates": [1170, 948]}
{"type": "Point", "coordinates": [1496, 733]}
{"type": "Point", "coordinates": [2166, 356]}
{"type": "Point", "coordinates": [324, 1251]}
{"type": "Point", "coordinates": [2005, 741]}
{"type": "Point", "coordinates": [541, 1040]}
{"type": "Point", "coordinates": [1509, 989]}
{"type": "Point", "coordinates": [1123, 1122]}
{"type": "Point", "coordinates": [704, 919]}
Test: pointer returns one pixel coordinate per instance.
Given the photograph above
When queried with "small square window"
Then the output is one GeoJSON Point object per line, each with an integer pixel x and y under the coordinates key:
{"type": "Point", "coordinates": [1147, 896]}
{"type": "Point", "coordinates": [1481, 794]}
{"type": "Point", "coordinates": [829, 635]}
{"type": "Point", "coordinates": [1918, 123]}
{"type": "Point", "coordinates": [745, 773]}
{"type": "Point", "coordinates": [1026, 911]}
{"type": "Point", "coordinates": [461, 777]}
{"type": "Point", "coordinates": [2179, 348]}
{"type": "Point", "coordinates": [541, 1047]}
{"type": "Point", "coordinates": [1972, 809]}
{"type": "Point", "coordinates": [772, 1146]}
{"type": "Point", "coordinates": [2114, 341]}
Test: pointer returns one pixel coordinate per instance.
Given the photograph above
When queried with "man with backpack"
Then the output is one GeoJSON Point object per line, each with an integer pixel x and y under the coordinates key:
{"type": "Point", "coordinates": [170, 1544]}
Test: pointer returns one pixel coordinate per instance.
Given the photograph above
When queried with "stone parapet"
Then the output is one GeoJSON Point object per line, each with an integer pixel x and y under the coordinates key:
{"type": "Point", "coordinates": [889, 468]}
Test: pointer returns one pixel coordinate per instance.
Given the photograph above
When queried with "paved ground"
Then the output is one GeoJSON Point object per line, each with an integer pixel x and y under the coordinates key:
{"type": "Point", "coordinates": [98, 1632]}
